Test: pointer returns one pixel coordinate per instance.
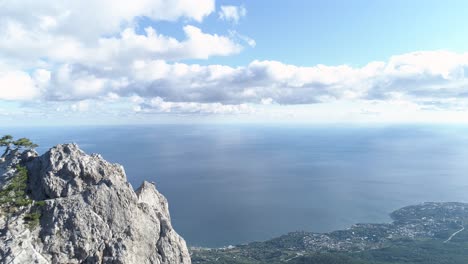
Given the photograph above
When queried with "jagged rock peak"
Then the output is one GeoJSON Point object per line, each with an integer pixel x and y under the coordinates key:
{"type": "Point", "coordinates": [88, 213]}
{"type": "Point", "coordinates": [66, 170]}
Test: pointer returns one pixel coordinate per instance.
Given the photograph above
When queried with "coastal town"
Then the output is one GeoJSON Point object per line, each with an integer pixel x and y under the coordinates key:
{"type": "Point", "coordinates": [425, 221]}
{"type": "Point", "coordinates": [441, 222]}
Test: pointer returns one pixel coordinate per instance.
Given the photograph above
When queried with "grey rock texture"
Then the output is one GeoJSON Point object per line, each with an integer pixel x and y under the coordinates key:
{"type": "Point", "coordinates": [91, 214]}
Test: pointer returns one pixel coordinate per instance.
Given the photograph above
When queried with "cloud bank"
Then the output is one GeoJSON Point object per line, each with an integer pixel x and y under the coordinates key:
{"type": "Point", "coordinates": [419, 77]}
{"type": "Point", "coordinates": [79, 51]}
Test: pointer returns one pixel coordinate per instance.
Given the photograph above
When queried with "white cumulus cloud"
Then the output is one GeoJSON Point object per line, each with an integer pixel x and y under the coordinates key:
{"type": "Point", "coordinates": [433, 78]}
{"type": "Point", "coordinates": [17, 85]}
{"type": "Point", "coordinates": [102, 31]}
{"type": "Point", "coordinates": [409, 77]}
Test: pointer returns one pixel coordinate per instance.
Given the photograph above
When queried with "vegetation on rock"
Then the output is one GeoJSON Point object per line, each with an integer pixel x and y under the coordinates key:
{"type": "Point", "coordinates": [14, 193]}
{"type": "Point", "coordinates": [32, 219]}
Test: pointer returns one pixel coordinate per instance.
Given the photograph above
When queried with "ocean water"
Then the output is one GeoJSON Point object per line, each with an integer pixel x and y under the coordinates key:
{"type": "Point", "coordinates": [231, 184]}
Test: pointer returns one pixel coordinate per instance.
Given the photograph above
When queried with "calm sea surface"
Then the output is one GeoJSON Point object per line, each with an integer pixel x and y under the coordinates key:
{"type": "Point", "coordinates": [231, 184]}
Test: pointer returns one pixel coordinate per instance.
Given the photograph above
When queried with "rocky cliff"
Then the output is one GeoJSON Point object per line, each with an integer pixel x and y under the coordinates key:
{"type": "Point", "coordinates": [76, 208]}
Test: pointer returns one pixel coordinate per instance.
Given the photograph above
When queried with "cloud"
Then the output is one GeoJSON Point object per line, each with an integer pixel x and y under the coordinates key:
{"type": "Point", "coordinates": [80, 106]}
{"type": "Point", "coordinates": [434, 78]}
{"type": "Point", "coordinates": [90, 19]}
{"type": "Point", "coordinates": [235, 35]}
{"type": "Point", "coordinates": [232, 13]}
{"type": "Point", "coordinates": [104, 32]}
{"type": "Point", "coordinates": [25, 48]}
{"type": "Point", "coordinates": [63, 54]}
{"type": "Point", "coordinates": [17, 85]}
{"type": "Point", "coordinates": [158, 105]}
{"type": "Point", "coordinates": [201, 45]}
{"type": "Point", "coordinates": [79, 51]}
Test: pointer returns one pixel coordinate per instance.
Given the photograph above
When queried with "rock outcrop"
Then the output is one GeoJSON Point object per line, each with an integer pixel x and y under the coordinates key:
{"type": "Point", "coordinates": [86, 212]}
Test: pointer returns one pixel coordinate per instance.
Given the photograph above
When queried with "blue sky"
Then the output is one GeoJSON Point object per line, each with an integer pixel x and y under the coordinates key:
{"type": "Point", "coordinates": [337, 32]}
{"type": "Point", "coordinates": [108, 62]}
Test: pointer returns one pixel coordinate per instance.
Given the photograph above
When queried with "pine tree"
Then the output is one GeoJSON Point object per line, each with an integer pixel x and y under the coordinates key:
{"type": "Point", "coordinates": [8, 142]}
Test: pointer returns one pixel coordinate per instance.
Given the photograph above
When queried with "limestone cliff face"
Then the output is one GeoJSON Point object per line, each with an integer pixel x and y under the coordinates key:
{"type": "Point", "coordinates": [90, 214]}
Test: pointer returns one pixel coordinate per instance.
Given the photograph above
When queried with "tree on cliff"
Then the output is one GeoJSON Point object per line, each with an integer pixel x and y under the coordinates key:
{"type": "Point", "coordinates": [8, 142]}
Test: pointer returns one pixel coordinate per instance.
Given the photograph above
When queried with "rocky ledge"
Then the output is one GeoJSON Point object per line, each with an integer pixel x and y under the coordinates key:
{"type": "Point", "coordinates": [70, 207]}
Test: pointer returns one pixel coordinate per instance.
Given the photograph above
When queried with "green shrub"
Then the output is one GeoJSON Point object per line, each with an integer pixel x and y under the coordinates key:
{"type": "Point", "coordinates": [40, 203]}
{"type": "Point", "coordinates": [32, 219]}
{"type": "Point", "coordinates": [14, 194]}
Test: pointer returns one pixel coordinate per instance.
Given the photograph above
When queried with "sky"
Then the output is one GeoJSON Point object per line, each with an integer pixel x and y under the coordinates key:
{"type": "Point", "coordinates": [178, 61]}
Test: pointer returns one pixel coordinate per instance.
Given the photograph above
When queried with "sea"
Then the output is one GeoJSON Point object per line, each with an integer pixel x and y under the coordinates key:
{"type": "Point", "coordinates": [230, 184]}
